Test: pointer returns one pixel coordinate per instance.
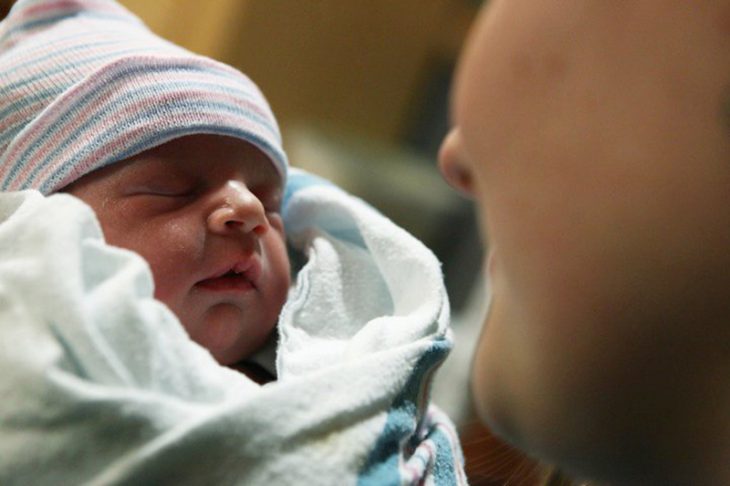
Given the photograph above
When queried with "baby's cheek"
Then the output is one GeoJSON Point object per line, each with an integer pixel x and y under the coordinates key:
{"type": "Point", "coordinates": [164, 293]}
{"type": "Point", "coordinates": [172, 254]}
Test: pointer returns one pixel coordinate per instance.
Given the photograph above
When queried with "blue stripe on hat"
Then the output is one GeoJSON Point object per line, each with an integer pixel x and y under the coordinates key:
{"type": "Point", "coordinates": [159, 138]}
{"type": "Point", "coordinates": [77, 65]}
{"type": "Point", "coordinates": [138, 95]}
{"type": "Point", "coordinates": [171, 108]}
{"type": "Point", "coordinates": [81, 62]}
{"type": "Point", "coordinates": [149, 114]}
{"type": "Point", "coordinates": [34, 24]}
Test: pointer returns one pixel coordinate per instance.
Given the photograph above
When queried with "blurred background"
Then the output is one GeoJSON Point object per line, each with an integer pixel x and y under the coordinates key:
{"type": "Point", "coordinates": [361, 91]}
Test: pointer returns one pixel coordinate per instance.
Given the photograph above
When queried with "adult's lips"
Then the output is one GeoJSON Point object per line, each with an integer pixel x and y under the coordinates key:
{"type": "Point", "coordinates": [238, 276]}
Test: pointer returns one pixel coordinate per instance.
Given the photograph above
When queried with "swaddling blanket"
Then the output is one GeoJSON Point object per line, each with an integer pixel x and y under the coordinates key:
{"type": "Point", "coordinates": [101, 384]}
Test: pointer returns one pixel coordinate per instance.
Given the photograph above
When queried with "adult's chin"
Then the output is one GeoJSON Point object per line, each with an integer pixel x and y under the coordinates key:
{"type": "Point", "coordinates": [493, 380]}
{"type": "Point", "coordinates": [556, 399]}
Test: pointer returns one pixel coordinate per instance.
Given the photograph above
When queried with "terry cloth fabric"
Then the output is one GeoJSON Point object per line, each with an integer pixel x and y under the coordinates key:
{"type": "Point", "coordinates": [101, 385]}
{"type": "Point", "coordinates": [83, 84]}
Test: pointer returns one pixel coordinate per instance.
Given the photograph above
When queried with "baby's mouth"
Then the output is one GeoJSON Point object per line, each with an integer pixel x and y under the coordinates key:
{"type": "Point", "coordinates": [239, 278]}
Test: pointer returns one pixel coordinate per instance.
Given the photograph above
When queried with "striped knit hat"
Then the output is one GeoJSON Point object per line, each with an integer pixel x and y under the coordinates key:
{"type": "Point", "coordinates": [83, 84]}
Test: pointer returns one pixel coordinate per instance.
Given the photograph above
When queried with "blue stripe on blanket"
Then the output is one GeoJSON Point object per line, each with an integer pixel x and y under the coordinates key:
{"type": "Point", "coordinates": [340, 228]}
{"type": "Point", "coordinates": [444, 472]}
{"type": "Point", "coordinates": [383, 464]}
{"type": "Point", "coordinates": [298, 180]}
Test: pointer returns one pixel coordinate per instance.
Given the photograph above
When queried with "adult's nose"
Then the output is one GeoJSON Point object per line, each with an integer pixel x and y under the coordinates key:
{"type": "Point", "coordinates": [453, 163]}
{"type": "Point", "coordinates": [237, 209]}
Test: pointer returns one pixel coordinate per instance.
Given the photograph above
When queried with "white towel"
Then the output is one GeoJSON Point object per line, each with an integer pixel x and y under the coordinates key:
{"type": "Point", "coordinates": [101, 385]}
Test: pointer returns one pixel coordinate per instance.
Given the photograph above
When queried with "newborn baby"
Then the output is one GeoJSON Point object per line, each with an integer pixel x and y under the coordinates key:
{"type": "Point", "coordinates": [179, 155]}
{"type": "Point", "coordinates": [203, 210]}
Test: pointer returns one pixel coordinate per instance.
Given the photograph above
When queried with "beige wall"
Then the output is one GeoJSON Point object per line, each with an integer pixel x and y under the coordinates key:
{"type": "Point", "coordinates": [203, 26]}
{"type": "Point", "coordinates": [356, 65]}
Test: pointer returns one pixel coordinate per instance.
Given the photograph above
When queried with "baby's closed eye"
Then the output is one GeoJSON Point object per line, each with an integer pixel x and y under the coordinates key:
{"type": "Point", "coordinates": [164, 187]}
{"type": "Point", "coordinates": [164, 191]}
{"type": "Point", "coordinates": [163, 196]}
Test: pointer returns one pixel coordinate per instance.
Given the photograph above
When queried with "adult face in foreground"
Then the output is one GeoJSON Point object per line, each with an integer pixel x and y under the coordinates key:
{"type": "Point", "coordinates": [594, 137]}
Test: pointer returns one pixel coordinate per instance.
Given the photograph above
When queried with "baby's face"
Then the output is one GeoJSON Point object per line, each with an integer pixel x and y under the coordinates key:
{"type": "Point", "coordinates": [204, 211]}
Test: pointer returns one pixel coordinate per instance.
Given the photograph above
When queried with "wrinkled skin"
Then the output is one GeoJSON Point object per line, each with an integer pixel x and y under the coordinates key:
{"type": "Point", "coordinates": [594, 138]}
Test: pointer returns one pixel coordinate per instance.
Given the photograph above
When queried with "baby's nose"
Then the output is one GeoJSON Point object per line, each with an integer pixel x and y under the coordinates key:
{"type": "Point", "coordinates": [237, 209]}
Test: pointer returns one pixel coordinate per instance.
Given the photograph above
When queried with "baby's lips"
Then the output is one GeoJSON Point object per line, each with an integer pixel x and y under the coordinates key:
{"type": "Point", "coordinates": [249, 269]}
{"type": "Point", "coordinates": [227, 283]}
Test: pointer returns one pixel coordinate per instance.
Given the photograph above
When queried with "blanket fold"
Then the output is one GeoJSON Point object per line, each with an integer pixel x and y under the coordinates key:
{"type": "Point", "coordinates": [102, 385]}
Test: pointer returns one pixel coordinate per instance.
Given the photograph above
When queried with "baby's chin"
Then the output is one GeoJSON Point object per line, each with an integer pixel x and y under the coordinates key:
{"type": "Point", "coordinates": [229, 334]}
